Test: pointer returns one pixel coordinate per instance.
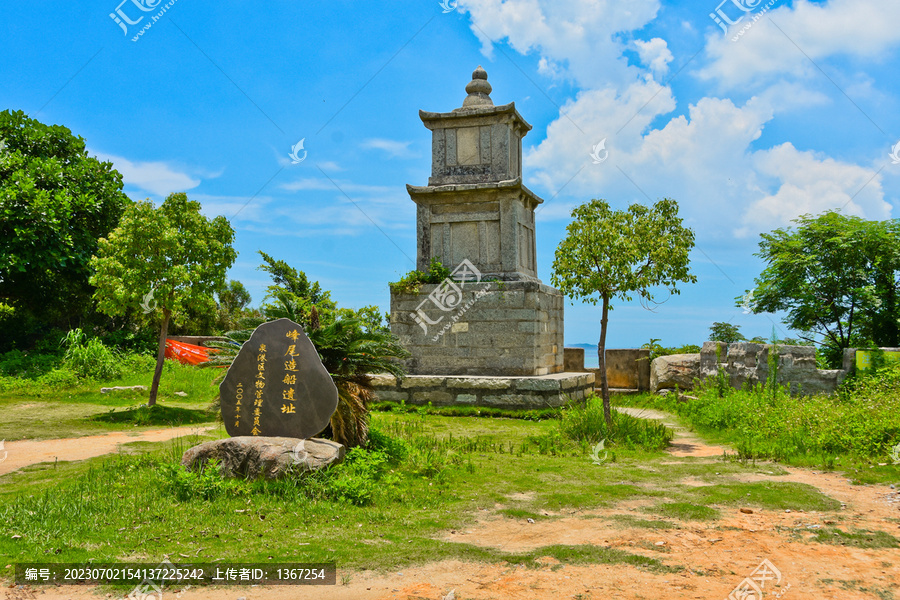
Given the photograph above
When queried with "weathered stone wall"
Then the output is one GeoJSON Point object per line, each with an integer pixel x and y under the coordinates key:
{"type": "Point", "coordinates": [628, 368]}
{"type": "Point", "coordinates": [573, 360]}
{"type": "Point", "coordinates": [748, 363]}
{"type": "Point", "coordinates": [512, 328]}
{"type": "Point", "coordinates": [499, 392]}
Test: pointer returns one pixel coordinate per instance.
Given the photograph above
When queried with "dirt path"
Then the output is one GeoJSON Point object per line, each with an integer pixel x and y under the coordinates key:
{"type": "Point", "coordinates": [714, 557]}
{"type": "Point", "coordinates": [685, 443]}
{"type": "Point", "coordinates": [28, 452]}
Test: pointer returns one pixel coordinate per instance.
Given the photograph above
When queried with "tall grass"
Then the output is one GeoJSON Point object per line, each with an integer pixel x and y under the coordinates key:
{"type": "Point", "coordinates": [89, 358]}
{"type": "Point", "coordinates": [861, 420]}
{"type": "Point", "coordinates": [586, 423]}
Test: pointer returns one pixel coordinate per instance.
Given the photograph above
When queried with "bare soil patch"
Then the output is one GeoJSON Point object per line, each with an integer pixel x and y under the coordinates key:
{"type": "Point", "coordinates": [714, 557]}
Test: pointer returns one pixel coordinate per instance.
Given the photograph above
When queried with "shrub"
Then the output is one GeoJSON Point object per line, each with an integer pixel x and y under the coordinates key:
{"type": "Point", "coordinates": [860, 420]}
{"type": "Point", "coordinates": [89, 358]}
{"type": "Point", "coordinates": [29, 365]}
{"type": "Point", "coordinates": [206, 482]}
{"type": "Point", "coordinates": [412, 281]}
{"type": "Point", "coordinates": [586, 423]}
{"type": "Point", "coordinates": [58, 378]}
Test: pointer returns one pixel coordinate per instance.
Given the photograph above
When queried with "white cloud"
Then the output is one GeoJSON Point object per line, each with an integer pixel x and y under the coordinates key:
{"type": "Point", "coordinates": [238, 208]}
{"type": "Point", "coordinates": [704, 160]}
{"type": "Point", "coordinates": [656, 55]}
{"type": "Point", "coordinates": [811, 184]}
{"type": "Point", "coordinates": [329, 165]}
{"type": "Point", "coordinates": [576, 38]}
{"type": "Point", "coordinates": [343, 208]}
{"type": "Point", "coordinates": [158, 178]}
{"type": "Point", "coordinates": [393, 148]}
{"type": "Point", "coordinates": [857, 28]}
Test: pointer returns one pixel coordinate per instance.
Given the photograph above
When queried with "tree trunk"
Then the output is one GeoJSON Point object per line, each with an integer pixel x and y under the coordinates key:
{"type": "Point", "coordinates": [160, 357]}
{"type": "Point", "coordinates": [601, 351]}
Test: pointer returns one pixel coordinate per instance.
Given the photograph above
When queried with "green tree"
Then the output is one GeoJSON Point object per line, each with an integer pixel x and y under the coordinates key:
{"type": "Point", "coordinates": [55, 203]}
{"type": "Point", "coordinates": [292, 295]}
{"type": "Point", "coordinates": [725, 332]}
{"type": "Point", "coordinates": [233, 306]}
{"type": "Point", "coordinates": [234, 297]}
{"type": "Point", "coordinates": [614, 254]}
{"type": "Point", "coordinates": [167, 258]}
{"type": "Point", "coordinates": [837, 278]}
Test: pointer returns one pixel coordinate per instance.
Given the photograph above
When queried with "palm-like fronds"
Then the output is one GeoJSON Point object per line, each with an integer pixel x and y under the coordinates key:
{"type": "Point", "coordinates": [350, 354]}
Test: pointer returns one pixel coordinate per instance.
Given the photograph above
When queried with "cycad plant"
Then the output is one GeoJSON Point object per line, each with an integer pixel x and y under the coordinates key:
{"type": "Point", "coordinates": [351, 354]}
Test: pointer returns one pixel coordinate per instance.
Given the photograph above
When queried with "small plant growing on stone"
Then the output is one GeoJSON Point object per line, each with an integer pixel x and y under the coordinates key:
{"type": "Point", "coordinates": [414, 280]}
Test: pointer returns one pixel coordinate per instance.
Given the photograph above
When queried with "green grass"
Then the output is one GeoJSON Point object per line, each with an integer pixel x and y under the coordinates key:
{"type": "Point", "coordinates": [853, 429]}
{"type": "Point", "coordinates": [859, 538]}
{"type": "Point", "coordinates": [630, 521]}
{"type": "Point", "coordinates": [773, 495]}
{"type": "Point", "coordinates": [382, 507]}
{"type": "Point", "coordinates": [685, 511]}
{"type": "Point", "coordinates": [385, 507]}
{"type": "Point", "coordinates": [467, 411]}
{"type": "Point", "coordinates": [38, 411]}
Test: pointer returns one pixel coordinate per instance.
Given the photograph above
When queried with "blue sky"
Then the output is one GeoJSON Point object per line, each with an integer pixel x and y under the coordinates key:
{"type": "Point", "coordinates": [797, 114]}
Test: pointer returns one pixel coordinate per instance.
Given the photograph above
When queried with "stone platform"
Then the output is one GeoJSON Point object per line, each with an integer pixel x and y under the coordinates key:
{"type": "Point", "coordinates": [495, 329]}
{"type": "Point", "coordinates": [528, 392]}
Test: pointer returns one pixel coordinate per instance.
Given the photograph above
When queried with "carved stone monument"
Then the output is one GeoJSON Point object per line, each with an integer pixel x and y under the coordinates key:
{"type": "Point", "coordinates": [494, 317]}
{"type": "Point", "coordinates": [275, 395]}
{"type": "Point", "coordinates": [277, 386]}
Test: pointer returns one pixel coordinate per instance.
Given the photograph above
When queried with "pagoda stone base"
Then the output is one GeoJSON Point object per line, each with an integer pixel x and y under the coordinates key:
{"type": "Point", "coordinates": [497, 392]}
{"type": "Point", "coordinates": [503, 329]}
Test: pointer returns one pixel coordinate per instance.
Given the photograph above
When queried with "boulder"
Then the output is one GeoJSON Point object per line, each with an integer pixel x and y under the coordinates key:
{"type": "Point", "coordinates": [271, 457]}
{"type": "Point", "coordinates": [676, 369]}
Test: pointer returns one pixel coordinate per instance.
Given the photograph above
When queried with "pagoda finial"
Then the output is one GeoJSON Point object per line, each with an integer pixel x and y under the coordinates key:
{"type": "Point", "coordinates": [478, 89]}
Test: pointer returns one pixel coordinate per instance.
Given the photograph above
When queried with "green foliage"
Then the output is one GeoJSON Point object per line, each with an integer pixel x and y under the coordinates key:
{"type": "Point", "coordinates": [142, 341]}
{"type": "Point", "coordinates": [55, 203]}
{"type": "Point", "coordinates": [657, 350]}
{"type": "Point", "coordinates": [348, 351]}
{"type": "Point", "coordinates": [172, 251]}
{"type": "Point", "coordinates": [615, 254]}
{"type": "Point", "coordinates": [29, 365]}
{"type": "Point", "coordinates": [859, 422]}
{"type": "Point", "coordinates": [586, 423]}
{"type": "Point", "coordinates": [415, 279]}
{"type": "Point", "coordinates": [206, 483]}
{"type": "Point", "coordinates": [292, 296]}
{"type": "Point", "coordinates": [725, 332]}
{"type": "Point", "coordinates": [89, 358]}
{"type": "Point", "coordinates": [232, 306]}
{"type": "Point", "coordinates": [836, 276]}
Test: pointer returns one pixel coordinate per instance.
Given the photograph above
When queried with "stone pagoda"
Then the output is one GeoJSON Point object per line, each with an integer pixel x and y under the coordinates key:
{"type": "Point", "coordinates": [475, 207]}
{"type": "Point", "coordinates": [492, 318]}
